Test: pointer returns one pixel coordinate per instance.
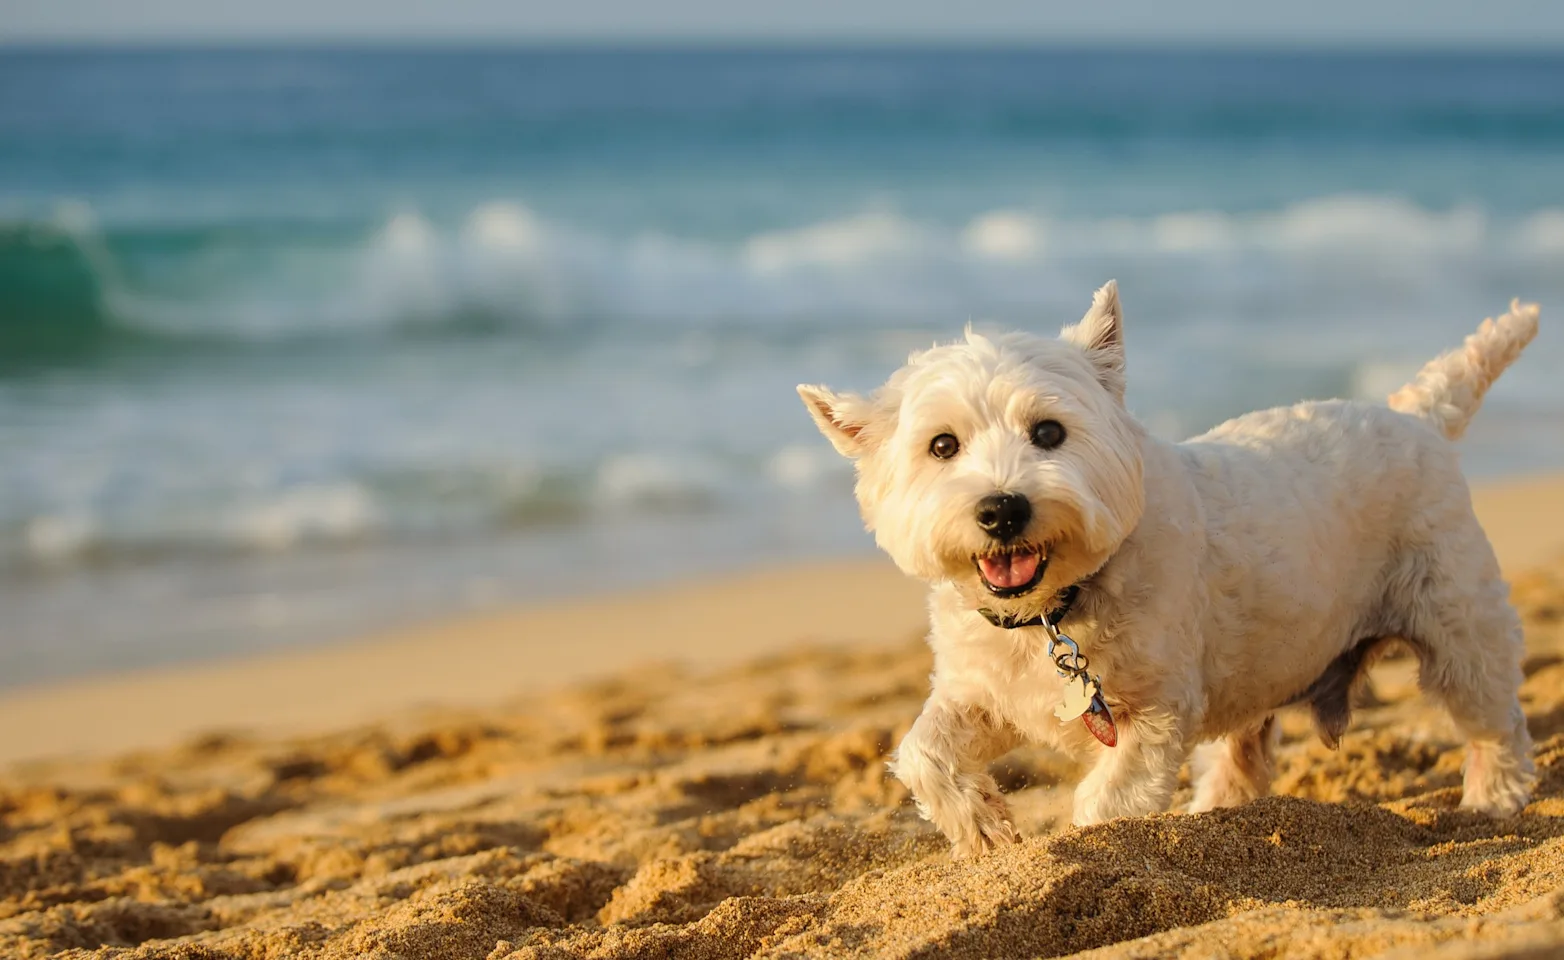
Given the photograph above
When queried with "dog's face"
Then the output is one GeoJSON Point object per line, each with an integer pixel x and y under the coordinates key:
{"type": "Point", "coordinates": [1009, 467]}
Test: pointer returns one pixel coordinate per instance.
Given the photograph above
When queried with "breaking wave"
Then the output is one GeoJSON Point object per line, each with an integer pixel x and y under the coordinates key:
{"type": "Point", "coordinates": [71, 283]}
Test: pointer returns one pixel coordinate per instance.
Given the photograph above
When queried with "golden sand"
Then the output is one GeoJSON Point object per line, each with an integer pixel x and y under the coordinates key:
{"type": "Point", "coordinates": [739, 810]}
{"type": "Point", "coordinates": [746, 813]}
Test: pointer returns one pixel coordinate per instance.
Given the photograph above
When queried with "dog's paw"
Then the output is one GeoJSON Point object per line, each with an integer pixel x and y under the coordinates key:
{"type": "Point", "coordinates": [980, 840]}
{"type": "Point", "coordinates": [1501, 800]}
{"type": "Point", "coordinates": [1500, 809]}
{"type": "Point", "coordinates": [992, 827]}
{"type": "Point", "coordinates": [1497, 782]}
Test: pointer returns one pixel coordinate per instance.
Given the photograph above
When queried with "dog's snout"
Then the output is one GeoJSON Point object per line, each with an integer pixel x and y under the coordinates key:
{"type": "Point", "coordinates": [1004, 515]}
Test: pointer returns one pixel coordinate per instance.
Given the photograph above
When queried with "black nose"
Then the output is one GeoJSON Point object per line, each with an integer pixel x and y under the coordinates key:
{"type": "Point", "coordinates": [1004, 515]}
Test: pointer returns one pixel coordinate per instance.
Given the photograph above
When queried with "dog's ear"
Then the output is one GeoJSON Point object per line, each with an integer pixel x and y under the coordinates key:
{"type": "Point", "coordinates": [842, 417]}
{"type": "Point", "coordinates": [1101, 334]}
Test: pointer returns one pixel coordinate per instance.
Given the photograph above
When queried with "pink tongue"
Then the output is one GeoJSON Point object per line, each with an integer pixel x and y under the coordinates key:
{"type": "Point", "coordinates": [1012, 570]}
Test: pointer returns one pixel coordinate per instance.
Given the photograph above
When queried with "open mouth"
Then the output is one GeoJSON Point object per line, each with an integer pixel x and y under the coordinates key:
{"type": "Point", "coordinates": [1012, 574]}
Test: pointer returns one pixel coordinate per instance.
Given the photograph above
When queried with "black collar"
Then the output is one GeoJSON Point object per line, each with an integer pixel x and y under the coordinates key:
{"type": "Point", "coordinates": [1066, 599]}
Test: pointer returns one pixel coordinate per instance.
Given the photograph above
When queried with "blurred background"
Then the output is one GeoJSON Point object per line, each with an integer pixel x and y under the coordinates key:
{"type": "Point", "coordinates": [318, 318]}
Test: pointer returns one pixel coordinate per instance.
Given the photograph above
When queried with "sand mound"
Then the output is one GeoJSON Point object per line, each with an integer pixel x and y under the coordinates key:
{"type": "Point", "coordinates": [746, 813]}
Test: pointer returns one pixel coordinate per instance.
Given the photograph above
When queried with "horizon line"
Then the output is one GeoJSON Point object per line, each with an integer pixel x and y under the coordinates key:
{"type": "Point", "coordinates": [1322, 44]}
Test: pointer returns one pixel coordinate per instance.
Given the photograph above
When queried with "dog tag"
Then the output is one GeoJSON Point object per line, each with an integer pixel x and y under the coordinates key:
{"type": "Point", "coordinates": [1099, 720]}
{"type": "Point", "coordinates": [1075, 703]}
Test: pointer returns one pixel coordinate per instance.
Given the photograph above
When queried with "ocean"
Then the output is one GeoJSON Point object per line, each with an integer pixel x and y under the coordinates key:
{"type": "Point", "coordinates": [297, 343]}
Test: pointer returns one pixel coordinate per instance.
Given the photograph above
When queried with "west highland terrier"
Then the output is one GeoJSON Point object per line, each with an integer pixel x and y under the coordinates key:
{"type": "Point", "coordinates": [1101, 591]}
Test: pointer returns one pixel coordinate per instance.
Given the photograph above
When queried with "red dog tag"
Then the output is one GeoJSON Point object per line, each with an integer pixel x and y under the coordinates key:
{"type": "Point", "coordinates": [1099, 720]}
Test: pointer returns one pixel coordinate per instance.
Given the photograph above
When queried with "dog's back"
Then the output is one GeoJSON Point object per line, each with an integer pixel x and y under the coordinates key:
{"type": "Point", "coordinates": [1326, 520]}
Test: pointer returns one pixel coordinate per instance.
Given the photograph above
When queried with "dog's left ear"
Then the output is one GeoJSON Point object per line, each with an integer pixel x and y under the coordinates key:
{"type": "Point", "coordinates": [1101, 334]}
{"type": "Point", "coordinates": [842, 417]}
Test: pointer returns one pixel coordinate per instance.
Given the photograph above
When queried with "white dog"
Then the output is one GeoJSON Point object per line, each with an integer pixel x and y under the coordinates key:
{"type": "Point", "coordinates": [1208, 583]}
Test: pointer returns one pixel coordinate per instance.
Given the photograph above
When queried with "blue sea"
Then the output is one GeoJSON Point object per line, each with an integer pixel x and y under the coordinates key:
{"type": "Point", "coordinates": [297, 343]}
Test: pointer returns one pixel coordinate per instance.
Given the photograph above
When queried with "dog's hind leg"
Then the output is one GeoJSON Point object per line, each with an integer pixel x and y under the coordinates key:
{"type": "Point", "coordinates": [1469, 640]}
{"type": "Point", "coordinates": [1235, 769]}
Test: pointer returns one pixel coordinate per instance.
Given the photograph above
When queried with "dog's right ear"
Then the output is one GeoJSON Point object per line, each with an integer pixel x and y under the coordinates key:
{"type": "Point", "coordinates": [842, 417]}
{"type": "Point", "coordinates": [1101, 334]}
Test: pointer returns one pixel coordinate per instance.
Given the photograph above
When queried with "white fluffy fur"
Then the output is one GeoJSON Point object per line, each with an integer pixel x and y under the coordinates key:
{"type": "Point", "coordinates": [1222, 575]}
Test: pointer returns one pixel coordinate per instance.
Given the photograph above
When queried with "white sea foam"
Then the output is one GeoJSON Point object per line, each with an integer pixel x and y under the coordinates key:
{"type": "Point", "coordinates": [314, 512]}
{"type": "Point", "coordinates": [1198, 231]}
{"type": "Point", "coordinates": [806, 466]}
{"type": "Point", "coordinates": [1368, 225]}
{"type": "Point", "coordinates": [1543, 233]}
{"type": "Point", "coordinates": [400, 271]}
{"type": "Point", "coordinates": [509, 262]}
{"type": "Point", "coordinates": [1389, 225]}
{"type": "Point", "coordinates": [1005, 235]}
{"type": "Point", "coordinates": [503, 225]}
{"type": "Point", "coordinates": [847, 243]}
{"type": "Point", "coordinates": [505, 262]}
{"type": "Point", "coordinates": [644, 480]}
{"type": "Point", "coordinates": [59, 537]}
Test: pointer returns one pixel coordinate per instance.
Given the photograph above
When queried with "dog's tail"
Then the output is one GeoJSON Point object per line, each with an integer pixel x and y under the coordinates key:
{"type": "Point", "coordinates": [1450, 387]}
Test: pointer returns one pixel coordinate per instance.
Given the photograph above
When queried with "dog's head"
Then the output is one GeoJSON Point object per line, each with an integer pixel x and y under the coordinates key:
{"type": "Point", "coordinates": [1007, 466]}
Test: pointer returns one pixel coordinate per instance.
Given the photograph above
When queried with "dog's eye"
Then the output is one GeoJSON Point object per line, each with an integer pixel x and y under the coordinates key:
{"type": "Point", "coordinates": [944, 446]}
{"type": "Point", "coordinates": [1048, 434]}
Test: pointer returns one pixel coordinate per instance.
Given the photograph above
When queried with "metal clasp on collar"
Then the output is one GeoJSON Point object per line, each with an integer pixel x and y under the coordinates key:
{"type": "Point", "coordinates": [1074, 665]}
{"type": "Point", "coordinates": [1071, 662]}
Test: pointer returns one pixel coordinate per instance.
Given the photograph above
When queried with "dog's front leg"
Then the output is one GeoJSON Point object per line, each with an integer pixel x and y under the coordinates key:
{"type": "Point", "coordinates": [1136, 777]}
{"type": "Point", "coordinates": [943, 760]}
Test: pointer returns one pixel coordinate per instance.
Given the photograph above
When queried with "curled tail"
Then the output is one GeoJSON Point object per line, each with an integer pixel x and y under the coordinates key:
{"type": "Point", "coordinates": [1450, 387]}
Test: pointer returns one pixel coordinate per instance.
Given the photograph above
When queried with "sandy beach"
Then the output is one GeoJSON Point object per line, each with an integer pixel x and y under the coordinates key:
{"type": "Point", "coordinates": [697, 770]}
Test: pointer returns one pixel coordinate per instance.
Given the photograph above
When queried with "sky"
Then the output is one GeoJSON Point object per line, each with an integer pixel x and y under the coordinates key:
{"type": "Point", "coordinates": [1416, 22]}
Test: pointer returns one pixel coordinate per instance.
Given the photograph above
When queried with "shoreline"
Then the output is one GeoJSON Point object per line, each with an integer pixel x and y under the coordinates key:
{"type": "Point", "coordinates": [489, 659]}
{"type": "Point", "coordinates": [471, 661]}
